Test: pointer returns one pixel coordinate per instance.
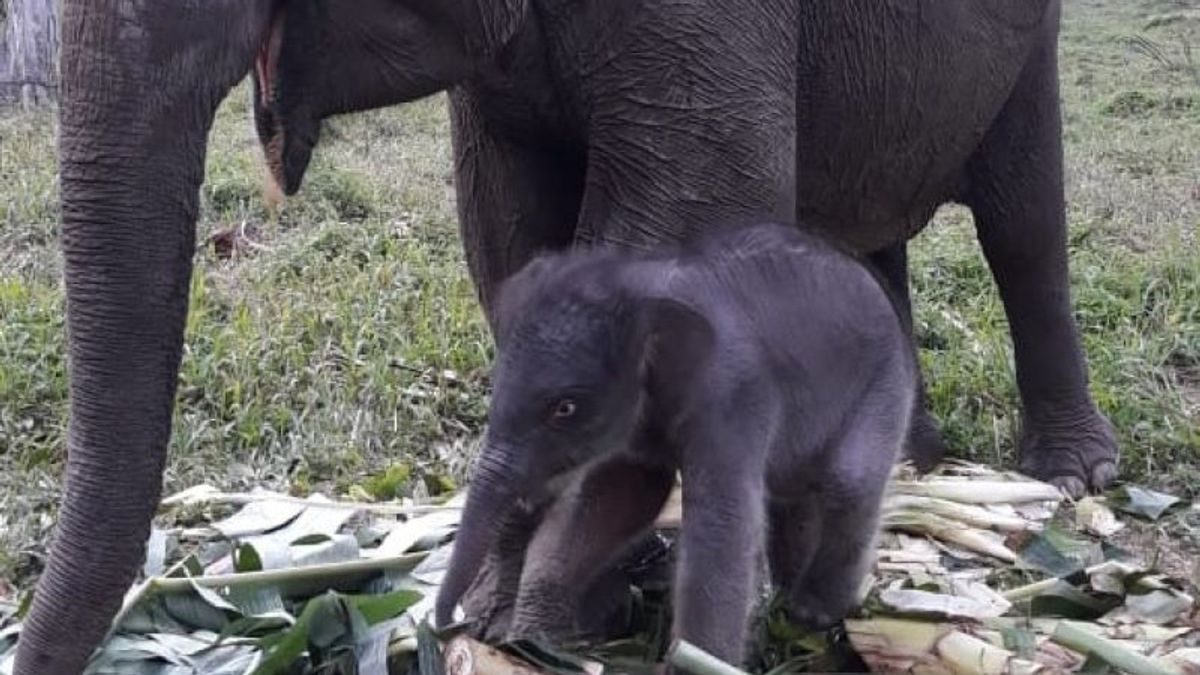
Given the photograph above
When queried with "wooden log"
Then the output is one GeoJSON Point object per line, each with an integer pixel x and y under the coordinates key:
{"type": "Point", "coordinates": [464, 656]}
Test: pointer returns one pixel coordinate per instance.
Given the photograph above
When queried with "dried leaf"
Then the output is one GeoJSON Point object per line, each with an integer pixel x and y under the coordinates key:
{"type": "Point", "coordinates": [937, 604]}
{"type": "Point", "coordinates": [405, 535]}
{"type": "Point", "coordinates": [1096, 518]}
{"type": "Point", "coordinates": [258, 517]}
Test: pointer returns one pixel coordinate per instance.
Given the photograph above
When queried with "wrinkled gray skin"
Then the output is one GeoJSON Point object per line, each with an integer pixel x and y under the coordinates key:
{"type": "Point", "coordinates": [627, 123]}
{"type": "Point", "coordinates": [770, 370]}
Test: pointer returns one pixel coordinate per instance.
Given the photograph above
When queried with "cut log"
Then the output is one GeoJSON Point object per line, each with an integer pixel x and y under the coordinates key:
{"type": "Point", "coordinates": [464, 656]}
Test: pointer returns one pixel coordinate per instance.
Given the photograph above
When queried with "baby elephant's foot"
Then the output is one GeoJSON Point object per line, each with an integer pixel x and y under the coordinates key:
{"type": "Point", "coordinates": [818, 611]}
{"type": "Point", "coordinates": [1077, 453]}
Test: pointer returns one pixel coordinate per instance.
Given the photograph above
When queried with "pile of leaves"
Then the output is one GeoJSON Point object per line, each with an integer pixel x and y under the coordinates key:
{"type": "Point", "coordinates": [977, 571]}
{"type": "Point", "coordinates": [1013, 584]}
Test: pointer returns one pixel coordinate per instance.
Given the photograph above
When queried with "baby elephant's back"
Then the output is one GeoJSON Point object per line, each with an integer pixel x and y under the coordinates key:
{"type": "Point", "coordinates": [791, 286]}
{"type": "Point", "coordinates": [823, 327]}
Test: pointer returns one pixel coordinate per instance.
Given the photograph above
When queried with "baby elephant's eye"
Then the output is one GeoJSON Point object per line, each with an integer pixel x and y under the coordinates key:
{"type": "Point", "coordinates": [564, 409]}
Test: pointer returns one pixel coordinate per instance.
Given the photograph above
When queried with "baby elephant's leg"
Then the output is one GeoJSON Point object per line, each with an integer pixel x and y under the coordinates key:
{"type": "Point", "coordinates": [581, 536]}
{"type": "Point", "coordinates": [849, 515]}
{"type": "Point", "coordinates": [723, 527]}
{"type": "Point", "coordinates": [795, 534]}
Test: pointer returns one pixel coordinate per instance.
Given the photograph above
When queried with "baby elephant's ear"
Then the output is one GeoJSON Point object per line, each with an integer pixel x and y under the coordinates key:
{"type": "Point", "coordinates": [514, 293]}
{"type": "Point", "coordinates": [678, 342]}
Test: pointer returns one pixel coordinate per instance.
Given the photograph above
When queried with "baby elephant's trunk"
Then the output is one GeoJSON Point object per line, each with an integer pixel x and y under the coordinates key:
{"type": "Point", "coordinates": [493, 493]}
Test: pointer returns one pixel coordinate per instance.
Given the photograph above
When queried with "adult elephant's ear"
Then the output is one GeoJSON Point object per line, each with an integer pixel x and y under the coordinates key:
{"type": "Point", "coordinates": [328, 57]}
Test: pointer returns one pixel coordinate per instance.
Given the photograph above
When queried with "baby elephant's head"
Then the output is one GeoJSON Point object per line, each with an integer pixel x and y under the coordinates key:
{"type": "Point", "coordinates": [588, 342]}
{"type": "Point", "coordinates": [565, 386]}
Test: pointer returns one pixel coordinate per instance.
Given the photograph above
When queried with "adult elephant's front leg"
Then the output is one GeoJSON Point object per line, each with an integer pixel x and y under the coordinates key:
{"type": "Point", "coordinates": [140, 85]}
{"type": "Point", "coordinates": [1016, 193]}
{"type": "Point", "coordinates": [513, 200]}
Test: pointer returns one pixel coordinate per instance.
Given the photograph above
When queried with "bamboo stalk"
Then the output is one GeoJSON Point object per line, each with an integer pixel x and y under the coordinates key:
{"type": "Point", "coordinates": [283, 575]}
{"type": "Point", "coordinates": [1032, 590]}
{"type": "Point", "coordinates": [1038, 587]}
{"type": "Point", "coordinates": [1072, 637]}
{"type": "Point", "coordinates": [977, 516]}
{"type": "Point", "coordinates": [948, 530]}
{"type": "Point", "coordinates": [978, 492]}
{"type": "Point", "coordinates": [689, 657]}
{"type": "Point", "coordinates": [242, 498]}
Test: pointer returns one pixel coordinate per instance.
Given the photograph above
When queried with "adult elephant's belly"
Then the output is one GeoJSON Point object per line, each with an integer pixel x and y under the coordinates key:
{"type": "Point", "coordinates": [892, 100]}
{"type": "Point", "coordinates": [872, 198]}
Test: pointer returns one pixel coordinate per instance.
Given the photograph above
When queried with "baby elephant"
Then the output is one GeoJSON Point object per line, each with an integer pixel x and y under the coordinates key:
{"type": "Point", "coordinates": [768, 368]}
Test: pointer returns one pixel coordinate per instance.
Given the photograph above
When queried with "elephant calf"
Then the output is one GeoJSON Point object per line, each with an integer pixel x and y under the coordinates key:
{"type": "Point", "coordinates": [767, 367]}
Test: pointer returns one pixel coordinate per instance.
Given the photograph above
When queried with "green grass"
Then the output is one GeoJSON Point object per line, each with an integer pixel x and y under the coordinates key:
{"type": "Point", "coordinates": [349, 343]}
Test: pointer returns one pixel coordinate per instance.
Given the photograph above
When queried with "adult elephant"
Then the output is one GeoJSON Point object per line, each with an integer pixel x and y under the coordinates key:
{"type": "Point", "coordinates": [586, 121]}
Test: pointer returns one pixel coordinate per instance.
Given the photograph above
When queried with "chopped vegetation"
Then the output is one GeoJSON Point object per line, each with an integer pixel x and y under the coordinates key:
{"type": "Point", "coordinates": [288, 585]}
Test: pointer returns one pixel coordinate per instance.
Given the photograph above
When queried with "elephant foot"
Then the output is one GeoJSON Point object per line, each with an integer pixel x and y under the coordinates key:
{"type": "Point", "coordinates": [811, 611]}
{"type": "Point", "coordinates": [1077, 454]}
{"type": "Point", "coordinates": [925, 446]}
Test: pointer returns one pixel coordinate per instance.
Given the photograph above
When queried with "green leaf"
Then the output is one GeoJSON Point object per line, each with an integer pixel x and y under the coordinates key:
{"type": "Point", "coordinates": [1142, 502]}
{"type": "Point", "coordinates": [311, 539]}
{"type": "Point", "coordinates": [332, 623]}
{"type": "Point", "coordinates": [285, 648]}
{"type": "Point", "coordinates": [150, 615]}
{"type": "Point", "coordinates": [1058, 552]}
{"type": "Point", "coordinates": [246, 559]}
{"type": "Point", "coordinates": [1071, 603]}
{"type": "Point", "coordinates": [256, 601]}
{"type": "Point", "coordinates": [377, 608]}
{"type": "Point", "coordinates": [195, 612]}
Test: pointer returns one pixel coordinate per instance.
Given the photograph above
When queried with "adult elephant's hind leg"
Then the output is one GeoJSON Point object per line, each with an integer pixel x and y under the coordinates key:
{"type": "Point", "coordinates": [925, 445]}
{"type": "Point", "coordinates": [1016, 193]}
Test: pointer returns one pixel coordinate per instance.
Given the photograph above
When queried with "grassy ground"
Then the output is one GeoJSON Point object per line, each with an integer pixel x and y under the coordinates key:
{"type": "Point", "coordinates": [345, 348]}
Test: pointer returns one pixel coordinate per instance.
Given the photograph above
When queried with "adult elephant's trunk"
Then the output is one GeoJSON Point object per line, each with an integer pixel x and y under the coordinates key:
{"type": "Point", "coordinates": [140, 84]}
{"type": "Point", "coordinates": [494, 491]}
